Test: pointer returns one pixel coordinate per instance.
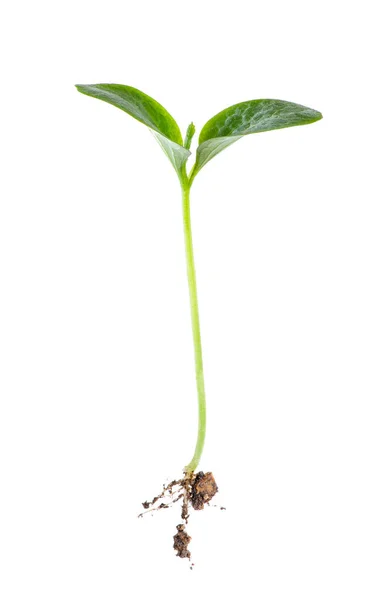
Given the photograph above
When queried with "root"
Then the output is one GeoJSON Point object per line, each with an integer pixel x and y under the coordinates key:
{"type": "Point", "coordinates": [194, 490]}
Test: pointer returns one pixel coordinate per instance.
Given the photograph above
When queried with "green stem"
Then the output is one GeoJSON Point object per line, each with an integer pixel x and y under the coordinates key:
{"type": "Point", "coordinates": [191, 274]}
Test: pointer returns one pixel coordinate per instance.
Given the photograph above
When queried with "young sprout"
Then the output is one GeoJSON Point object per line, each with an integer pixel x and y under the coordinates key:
{"type": "Point", "coordinates": [222, 130]}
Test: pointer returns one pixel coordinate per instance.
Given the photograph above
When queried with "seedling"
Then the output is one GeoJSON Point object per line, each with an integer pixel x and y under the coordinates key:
{"type": "Point", "coordinates": [254, 116]}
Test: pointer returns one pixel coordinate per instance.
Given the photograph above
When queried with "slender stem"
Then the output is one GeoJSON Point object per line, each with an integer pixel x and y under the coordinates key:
{"type": "Point", "coordinates": [191, 274]}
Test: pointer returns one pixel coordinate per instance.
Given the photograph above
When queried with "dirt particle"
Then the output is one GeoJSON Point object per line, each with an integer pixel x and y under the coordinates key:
{"type": "Point", "coordinates": [204, 487]}
{"type": "Point", "coordinates": [181, 541]}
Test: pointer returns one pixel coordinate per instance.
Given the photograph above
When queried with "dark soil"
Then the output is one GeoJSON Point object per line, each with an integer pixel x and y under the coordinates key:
{"type": "Point", "coordinates": [181, 541]}
{"type": "Point", "coordinates": [203, 489]}
{"type": "Point", "coordinates": [194, 490]}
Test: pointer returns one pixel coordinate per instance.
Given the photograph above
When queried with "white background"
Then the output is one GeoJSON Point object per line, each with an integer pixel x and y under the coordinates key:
{"type": "Point", "coordinates": [98, 400]}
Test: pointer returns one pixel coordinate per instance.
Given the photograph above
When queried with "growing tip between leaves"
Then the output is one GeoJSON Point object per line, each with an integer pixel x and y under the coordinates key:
{"type": "Point", "coordinates": [189, 135]}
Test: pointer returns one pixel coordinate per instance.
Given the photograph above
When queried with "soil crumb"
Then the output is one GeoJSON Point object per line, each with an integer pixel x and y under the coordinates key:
{"type": "Point", "coordinates": [204, 487]}
{"type": "Point", "coordinates": [181, 541]}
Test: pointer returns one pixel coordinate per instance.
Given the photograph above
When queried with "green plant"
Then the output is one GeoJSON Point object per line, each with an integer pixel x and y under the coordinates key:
{"type": "Point", "coordinates": [221, 131]}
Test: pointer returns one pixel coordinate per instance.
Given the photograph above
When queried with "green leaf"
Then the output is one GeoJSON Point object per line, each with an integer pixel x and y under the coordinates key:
{"type": "Point", "coordinates": [189, 135]}
{"type": "Point", "coordinates": [146, 110]}
{"type": "Point", "coordinates": [207, 150]}
{"type": "Point", "coordinates": [253, 116]}
{"type": "Point", "coordinates": [176, 154]}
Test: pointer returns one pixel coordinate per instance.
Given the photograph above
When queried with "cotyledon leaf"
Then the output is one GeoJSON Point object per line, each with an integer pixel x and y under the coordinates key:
{"type": "Point", "coordinates": [146, 110]}
{"type": "Point", "coordinates": [176, 153]}
{"type": "Point", "coordinates": [208, 149]}
{"type": "Point", "coordinates": [241, 119]}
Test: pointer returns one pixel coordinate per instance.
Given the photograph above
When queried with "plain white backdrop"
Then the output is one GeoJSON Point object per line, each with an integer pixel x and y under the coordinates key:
{"type": "Point", "coordinates": [98, 399]}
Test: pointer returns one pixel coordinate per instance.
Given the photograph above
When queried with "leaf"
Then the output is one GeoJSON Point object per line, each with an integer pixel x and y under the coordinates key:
{"type": "Point", "coordinates": [253, 116]}
{"type": "Point", "coordinates": [176, 154]}
{"type": "Point", "coordinates": [146, 110]}
{"type": "Point", "coordinates": [189, 135]}
{"type": "Point", "coordinates": [209, 149]}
